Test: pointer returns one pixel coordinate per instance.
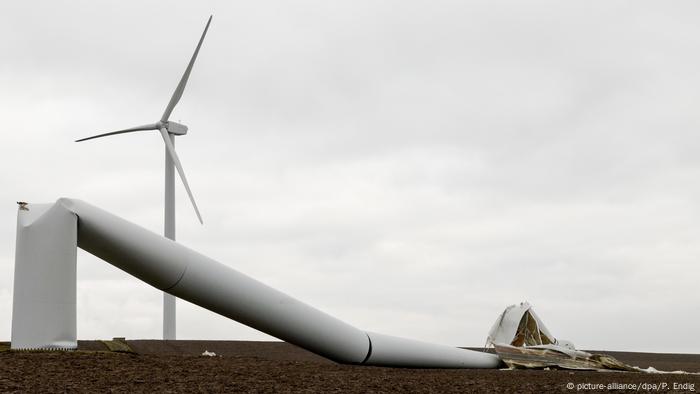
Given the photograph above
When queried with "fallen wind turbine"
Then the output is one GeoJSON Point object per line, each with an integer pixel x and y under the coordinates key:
{"type": "Point", "coordinates": [168, 130]}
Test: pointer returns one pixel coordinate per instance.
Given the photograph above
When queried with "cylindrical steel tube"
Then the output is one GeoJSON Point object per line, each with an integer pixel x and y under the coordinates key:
{"type": "Point", "coordinates": [196, 278]}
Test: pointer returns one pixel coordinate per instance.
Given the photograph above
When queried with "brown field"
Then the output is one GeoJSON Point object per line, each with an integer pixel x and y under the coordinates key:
{"type": "Point", "coordinates": [177, 366]}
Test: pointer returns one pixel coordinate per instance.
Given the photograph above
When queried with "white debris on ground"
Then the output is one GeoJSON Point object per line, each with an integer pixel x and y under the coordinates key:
{"type": "Point", "coordinates": [208, 354]}
{"type": "Point", "coordinates": [654, 370]}
{"type": "Point", "coordinates": [522, 341]}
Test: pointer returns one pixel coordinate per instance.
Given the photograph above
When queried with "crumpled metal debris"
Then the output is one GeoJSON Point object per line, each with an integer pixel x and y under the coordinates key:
{"type": "Point", "coordinates": [521, 340]}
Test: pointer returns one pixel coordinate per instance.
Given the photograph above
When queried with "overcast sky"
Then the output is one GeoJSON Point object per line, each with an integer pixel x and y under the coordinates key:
{"type": "Point", "coordinates": [411, 168]}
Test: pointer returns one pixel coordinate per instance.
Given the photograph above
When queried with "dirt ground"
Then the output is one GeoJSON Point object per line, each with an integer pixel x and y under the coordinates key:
{"type": "Point", "coordinates": [177, 366]}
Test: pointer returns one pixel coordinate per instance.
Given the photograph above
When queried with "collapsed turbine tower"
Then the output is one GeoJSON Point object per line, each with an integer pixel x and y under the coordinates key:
{"type": "Point", "coordinates": [44, 308]}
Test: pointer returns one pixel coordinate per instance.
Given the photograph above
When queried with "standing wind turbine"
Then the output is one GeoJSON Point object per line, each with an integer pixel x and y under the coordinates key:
{"type": "Point", "coordinates": [168, 130]}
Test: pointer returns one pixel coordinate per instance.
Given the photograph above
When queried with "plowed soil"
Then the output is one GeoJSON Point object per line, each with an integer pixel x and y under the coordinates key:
{"type": "Point", "coordinates": [178, 366]}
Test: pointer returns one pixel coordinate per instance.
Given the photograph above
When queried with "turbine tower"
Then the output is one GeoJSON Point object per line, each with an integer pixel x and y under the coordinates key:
{"type": "Point", "coordinates": [168, 130]}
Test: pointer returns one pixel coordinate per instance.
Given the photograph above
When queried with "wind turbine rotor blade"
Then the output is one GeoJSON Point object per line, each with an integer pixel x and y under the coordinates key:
{"type": "Point", "coordinates": [130, 130]}
{"type": "Point", "coordinates": [176, 161]}
{"type": "Point", "coordinates": [183, 81]}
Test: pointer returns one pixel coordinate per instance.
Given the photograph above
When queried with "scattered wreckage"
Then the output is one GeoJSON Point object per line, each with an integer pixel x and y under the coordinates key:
{"type": "Point", "coordinates": [521, 340]}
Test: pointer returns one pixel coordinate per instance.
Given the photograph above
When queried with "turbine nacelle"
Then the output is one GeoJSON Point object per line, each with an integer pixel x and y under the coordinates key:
{"type": "Point", "coordinates": [173, 127]}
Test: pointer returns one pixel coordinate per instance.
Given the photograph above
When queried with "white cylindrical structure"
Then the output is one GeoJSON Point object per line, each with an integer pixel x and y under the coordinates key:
{"type": "Point", "coordinates": [43, 305]}
{"type": "Point", "coordinates": [169, 301]}
{"type": "Point", "coordinates": [194, 277]}
{"type": "Point", "coordinates": [408, 353]}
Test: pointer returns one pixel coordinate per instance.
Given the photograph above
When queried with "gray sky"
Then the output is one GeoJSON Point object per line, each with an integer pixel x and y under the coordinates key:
{"type": "Point", "coordinates": [409, 167]}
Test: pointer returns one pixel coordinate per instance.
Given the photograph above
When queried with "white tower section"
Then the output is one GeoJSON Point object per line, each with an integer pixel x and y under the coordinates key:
{"type": "Point", "coordinates": [44, 305]}
{"type": "Point", "coordinates": [169, 308]}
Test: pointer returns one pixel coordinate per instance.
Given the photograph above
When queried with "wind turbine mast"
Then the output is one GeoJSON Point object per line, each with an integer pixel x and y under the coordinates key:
{"type": "Point", "coordinates": [168, 130]}
{"type": "Point", "coordinates": [171, 160]}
